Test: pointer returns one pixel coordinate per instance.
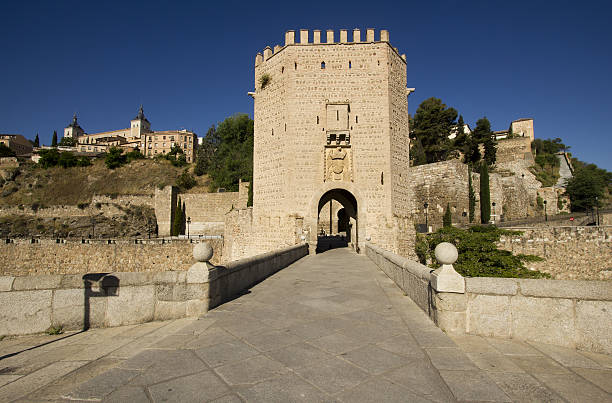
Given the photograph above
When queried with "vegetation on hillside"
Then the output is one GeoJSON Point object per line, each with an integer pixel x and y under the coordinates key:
{"type": "Point", "coordinates": [430, 128]}
{"type": "Point", "coordinates": [589, 187]}
{"type": "Point", "coordinates": [55, 185]}
{"type": "Point", "coordinates": [226, 154]}
{"type": "Point", "coordinates": [546, 168]}
{"type": "Point", "coordinates": [5, 151]}
{"type": "Point", "coordinates": [478, 253]}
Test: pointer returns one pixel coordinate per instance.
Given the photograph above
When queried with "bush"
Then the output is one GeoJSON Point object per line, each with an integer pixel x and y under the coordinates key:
{"type": "Point", "coordinates": [6, 151]}
{"type": "Point", "coordinates": [53, 330]}
{"type": "Point", "coordinates": [134, 155]}
{"type": "Point", "coordinates": [84, 162]}
{"type": "Point", "coordinates": [447, 220]}
{"type": "Point", "coordinates": [48, 158]}
{"type": "Point", "coordinates": [67, 160]}
{"type": "Point", "coordinates": [115, 158]}
{"type": "Point", "coordinates": [186, 180]}
{"type": "Point", "coordinates": [68, 142]}
{"type": "Point", "coordinates": [478, 253]}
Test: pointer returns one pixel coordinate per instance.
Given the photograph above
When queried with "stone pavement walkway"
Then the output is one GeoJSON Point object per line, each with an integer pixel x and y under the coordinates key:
{"type": "Point", "coordinates": [330, 327]}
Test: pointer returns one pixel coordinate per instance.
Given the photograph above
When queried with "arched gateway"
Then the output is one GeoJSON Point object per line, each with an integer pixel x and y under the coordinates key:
{"type": "Point", "coordinates": [347, 227]}
{"type": "Point", "coordinates": [334, 133]}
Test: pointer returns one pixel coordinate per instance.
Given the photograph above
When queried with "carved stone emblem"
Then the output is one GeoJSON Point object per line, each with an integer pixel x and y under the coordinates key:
{"type": "Point", "coordinates": [338, 164]}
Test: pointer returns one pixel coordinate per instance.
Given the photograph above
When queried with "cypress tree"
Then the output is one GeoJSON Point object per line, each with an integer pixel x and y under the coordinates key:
{"type": "Point", "coordinates": [471, 196]}
{"type": "Point", "coordinates": [36, 141]}
{"type": "Point", "coordinates": [447, 220]}
{"type": "Point", "coordinates": [54, 139]}
{"type": "Point", "coordinates": [183, 220]}
{"type": "Point", "coordinates": [485, 194]}
{"type": "Point", "coordinates": [177, 220]}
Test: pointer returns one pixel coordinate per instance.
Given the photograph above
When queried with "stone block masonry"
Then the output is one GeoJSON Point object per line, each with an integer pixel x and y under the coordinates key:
{"type": "Point", "coordinates": [22, 258]}
{"type": "Point", "coordinates": [30, 304]}
{"type": "Point", "coordinates": [567, 313]}
{"type": "Point", "coordinates": [569, 252]}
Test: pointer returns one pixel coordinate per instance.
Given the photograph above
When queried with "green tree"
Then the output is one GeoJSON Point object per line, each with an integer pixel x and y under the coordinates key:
{"type": "Point", "coordinates": [183, 219]}
{"type": "Point", "coordinates": [67, 160]}
{"type": "Point", "coordinates": [177, 221]}
{"type": "Point", "coordinates": [250, 197]}
{"type": "Point", "coordinates": [461, 138]}
{"type": "Point", "coordinates": [134, 155]}
{"type": "Point", "coordinates": [68, 142]}
{"type": "Point", "coordinates": [185, 180]}
{"type": "Point", "coordinates": [433, 122]}
{"type": "Point", "coordinates": [115, 158]}
{"type": "Point", "coordinates": [6, 151]}
{"type": "Point", "coordinates": [36, 141]}
{"type": "Point", "coordinates": [417, 153]}
{"type": "Point", "coordinates": [48, 158]}
{"type": "Point", "coordinates": [471, 151]}
{"type": "Point", "coordinates": [471, 196]}
{"type": "Point", "coordinates": [54, 139]}
{"type": "Point", "coordinates": [485, 194]}
{"type": "Point", "coordinates": [447, 220]}
{"type": "Point", "coordinates": [233, 159]}
{"type": "Point", "coordinates": [484, 134]}
{"type": "Point", "coordinates": [206, 151]}
{"type": "Point", "coordinates": [587, 188]}
{"type": "Point", "coordinates": [84, 162]}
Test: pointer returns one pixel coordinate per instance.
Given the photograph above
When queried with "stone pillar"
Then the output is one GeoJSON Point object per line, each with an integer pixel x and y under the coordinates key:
{"type": "Point", "coordinates": [330, 36]}
{"type": "Point", "coordinates": [258, 59]}
{"type": "Point", "coordinates": [303, 36]}
{"type": "Point", "coordinates": [356, 35]}
{"type": "Point", "coordinates": [384, 35]}
{"type": "Point", "coordinates": [267, 53]}
{"type": "Point", "coordinates": [316, 36]}
{"type": "Point", "coordinates": [199, 273]}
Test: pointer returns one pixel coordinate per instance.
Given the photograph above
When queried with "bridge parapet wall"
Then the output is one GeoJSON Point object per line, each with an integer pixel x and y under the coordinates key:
{"type": "Point", "coordinates": [569, 313]}
{"type": "Point", "coordinates": [31, 304]}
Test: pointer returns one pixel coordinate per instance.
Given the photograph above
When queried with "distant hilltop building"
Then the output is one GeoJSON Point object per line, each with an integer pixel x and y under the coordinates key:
{"type": "Point", "coordinates": [138, 136]}
{"type": "Point", "coordinates": [518, 128]}
{"type": "Point", "coordinates": [16, 142]}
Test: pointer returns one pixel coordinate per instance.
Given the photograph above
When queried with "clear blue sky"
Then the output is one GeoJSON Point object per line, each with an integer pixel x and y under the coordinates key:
{"type": "Point", "coordinates": [191, 64]}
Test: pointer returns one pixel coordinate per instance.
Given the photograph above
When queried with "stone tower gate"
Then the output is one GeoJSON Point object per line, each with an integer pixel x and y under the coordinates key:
{"type": "Point", "coordinates": [331, 123]}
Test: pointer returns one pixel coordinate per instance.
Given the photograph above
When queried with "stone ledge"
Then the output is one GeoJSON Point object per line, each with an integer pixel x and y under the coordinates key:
{"type": "Point", "coordinates": [44, 282]}
{"type": "Point", "coordinates": [491, 285]}
{"type": "Point", "coordinates": [571, 289]}
{"type": "Point", "coordinates": [6, 283]}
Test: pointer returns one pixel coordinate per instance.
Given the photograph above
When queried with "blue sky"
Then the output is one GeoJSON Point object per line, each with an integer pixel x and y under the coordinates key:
{"type": "Point", "coordinates": [191, 63]}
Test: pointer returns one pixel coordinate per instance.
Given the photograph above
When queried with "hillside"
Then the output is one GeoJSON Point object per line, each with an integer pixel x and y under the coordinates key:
{"type": "Point", "coordinates": [34, 186]}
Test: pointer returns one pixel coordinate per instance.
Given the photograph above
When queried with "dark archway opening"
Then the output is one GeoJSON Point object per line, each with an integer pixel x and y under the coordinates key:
{"type": "Point", "coordinates": [344, 233]}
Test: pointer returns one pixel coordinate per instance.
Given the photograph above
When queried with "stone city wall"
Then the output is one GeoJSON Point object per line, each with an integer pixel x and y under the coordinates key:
{"type": "Point", "coordinates": [567, 313]}
{"type": "Point", "coordinates": [107, 205]}
{"type": "Point", "coordinates": [516, 149]}
{"type": "Point", "coordinates": [31, 304]}
{"type": "Point", "coordinates": [22, 258]}
{"type": "Point", "coordinates": [571, 252]}
{"type": "Point", "coordinates": [206, 210]}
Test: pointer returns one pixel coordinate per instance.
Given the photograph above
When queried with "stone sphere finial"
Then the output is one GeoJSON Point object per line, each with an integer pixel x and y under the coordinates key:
{"type": "Point", "coordinates": [202, 252]}
{"type": "Point", "coordinates": [446, 253]}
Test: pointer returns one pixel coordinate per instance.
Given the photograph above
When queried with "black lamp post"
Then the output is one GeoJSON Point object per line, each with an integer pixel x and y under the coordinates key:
{"type": "Point", "coordinates": [188, 222]}
{"type": "Point", "coordinates": [545, 212]}
{"type": "Point", "coordinates": [597, 209]}
{"type": "Point", "coordinates": [493, 204]}
{"type": "Point", "coordinates": [426, 221]}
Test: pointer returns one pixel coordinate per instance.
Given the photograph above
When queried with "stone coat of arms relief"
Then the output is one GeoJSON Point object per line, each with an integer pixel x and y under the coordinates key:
{"type": "Point", "coordinates": [338, 163]}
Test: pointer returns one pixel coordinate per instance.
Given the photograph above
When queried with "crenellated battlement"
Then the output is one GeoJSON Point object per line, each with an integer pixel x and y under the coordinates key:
{"type": "Point", "coordinates": [306, 38]}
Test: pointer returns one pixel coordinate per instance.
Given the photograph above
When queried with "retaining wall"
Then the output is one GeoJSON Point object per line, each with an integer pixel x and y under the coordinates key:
{"type": "Point", "coordinates": [30, 304]}
{"type": "Point", "coordinates": [567, 313]}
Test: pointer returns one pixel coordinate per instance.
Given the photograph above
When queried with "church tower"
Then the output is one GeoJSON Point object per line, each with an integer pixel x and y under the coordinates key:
{"type": "Point", "coordinates": [139, 125]}
{"type": "Point", "coordinates": [73, 129]}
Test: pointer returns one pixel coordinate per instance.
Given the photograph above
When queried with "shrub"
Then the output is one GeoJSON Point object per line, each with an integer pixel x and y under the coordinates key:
{"type": "Point", "coordinates": [67, 160]}
{"type": "Point", "coordinates": [447, 220]}
{"type": "Point", "coordinates": [48, 158]}
{"type": "Point", "coordinates": [53, 330]}
{"type": "Point", "coordinates": [478, 253]}
{"type": "Point", "coordinates": [84, 162]}
{"type": "Point", "coordinates": [186, 180]}
{"type": "Point", "coordinates": [82, 206]}
{"type": "Point", "coordinates": [264, 80]}
{"type": "Point", "coordinates": [134, 155]}
{"type": "Point", "coordinates": [6, 151]}
{"type": "Point", "coordinates": [115, 158]}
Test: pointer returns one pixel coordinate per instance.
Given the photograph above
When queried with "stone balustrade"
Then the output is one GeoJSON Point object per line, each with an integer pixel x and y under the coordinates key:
{"type": "Point", "coordinates": [567, 313]}
{"type": "Point", "coordinates": [31, 304]}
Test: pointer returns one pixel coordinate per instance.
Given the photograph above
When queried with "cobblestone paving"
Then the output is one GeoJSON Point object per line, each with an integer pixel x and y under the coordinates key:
{"type": "Point", "coordinates": [330, 327]}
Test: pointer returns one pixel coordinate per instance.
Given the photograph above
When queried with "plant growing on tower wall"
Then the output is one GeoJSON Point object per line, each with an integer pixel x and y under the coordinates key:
{"type": "Point", "coordinates": [447, 220]}
{"type": "Point", "coordinates": [264, 80]}
{"type": "Point", "coordinates": [485, 194]}
{"type": "Point", "coordinates": [471, 196]}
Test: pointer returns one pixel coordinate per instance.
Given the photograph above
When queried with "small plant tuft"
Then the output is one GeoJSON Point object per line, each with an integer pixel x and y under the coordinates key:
{"type": "Point", "coordinates": [53, 330]}
{"type": "Point", "coordinates": [264, 80]}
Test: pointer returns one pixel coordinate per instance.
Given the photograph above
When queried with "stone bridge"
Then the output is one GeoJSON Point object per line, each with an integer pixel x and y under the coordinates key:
{"type": "Point", "coordinates": [329, 327]}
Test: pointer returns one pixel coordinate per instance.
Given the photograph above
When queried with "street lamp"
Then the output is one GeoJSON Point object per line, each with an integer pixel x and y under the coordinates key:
{"type": "Point", "coordinates": [545, 212]}
{"type": "Point", "coordinates": [493, 204]}
{"type": "Point", "coordinates": [597, 209]}
{"type": "Point", "coordinates": [426, 221]}
{"type": "Point", "coordinates": [188, 222]}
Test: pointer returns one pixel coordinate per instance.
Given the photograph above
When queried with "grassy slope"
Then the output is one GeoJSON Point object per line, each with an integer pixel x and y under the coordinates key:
{"type": "Point", "coordinates": [71, 186]}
